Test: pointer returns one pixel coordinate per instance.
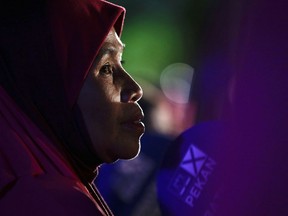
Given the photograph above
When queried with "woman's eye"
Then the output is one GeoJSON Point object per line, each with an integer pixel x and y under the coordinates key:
{"type": "Point", "coordinates": [106, 69]}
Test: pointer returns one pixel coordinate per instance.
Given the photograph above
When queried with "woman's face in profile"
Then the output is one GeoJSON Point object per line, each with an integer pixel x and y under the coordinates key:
{"type": "Point", "coordinates": [108, 103]}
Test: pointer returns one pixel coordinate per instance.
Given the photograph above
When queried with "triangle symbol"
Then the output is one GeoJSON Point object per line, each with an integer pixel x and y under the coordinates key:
{"type": "Point", "coordinates": [193, 160]}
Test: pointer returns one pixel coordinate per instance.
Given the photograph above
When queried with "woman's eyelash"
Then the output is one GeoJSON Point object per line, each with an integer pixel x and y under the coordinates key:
{"type": "Point", "coordinates": [106, 69]}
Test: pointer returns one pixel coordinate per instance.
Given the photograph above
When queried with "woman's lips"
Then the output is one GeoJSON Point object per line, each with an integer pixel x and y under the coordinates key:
{"type": "Point", "coordinates": [135, 124]}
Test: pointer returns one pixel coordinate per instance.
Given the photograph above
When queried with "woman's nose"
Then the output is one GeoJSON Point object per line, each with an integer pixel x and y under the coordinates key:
{"type": "Point", "coordinates": [131, 91]}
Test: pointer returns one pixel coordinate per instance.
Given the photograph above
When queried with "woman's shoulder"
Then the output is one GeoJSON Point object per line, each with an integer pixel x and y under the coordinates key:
{"type": "Point", "coordinates": [46, 195]}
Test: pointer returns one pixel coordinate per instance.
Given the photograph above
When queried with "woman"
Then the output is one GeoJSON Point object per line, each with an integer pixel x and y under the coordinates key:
{"type": "Point", "coordinates": [66, 105]}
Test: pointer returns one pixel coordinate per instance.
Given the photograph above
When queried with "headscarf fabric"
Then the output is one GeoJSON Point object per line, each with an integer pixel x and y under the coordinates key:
{"type": "Point", "coordinates": [46, 51]}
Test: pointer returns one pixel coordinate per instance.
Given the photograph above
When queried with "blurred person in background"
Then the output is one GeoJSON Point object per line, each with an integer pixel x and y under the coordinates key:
{"type": "Point", "coordinates": [255, 167]}
{"type": "Point", "coordinates": [242, 169]}
{"type": "Point", "coordinates": [66, 105]}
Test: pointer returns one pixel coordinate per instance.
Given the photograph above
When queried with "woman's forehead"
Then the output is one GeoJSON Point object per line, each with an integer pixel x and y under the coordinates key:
{"type": "Point", "coordinates": [113, 39]}
{"type": "Point", "coordinates": [112, 45]}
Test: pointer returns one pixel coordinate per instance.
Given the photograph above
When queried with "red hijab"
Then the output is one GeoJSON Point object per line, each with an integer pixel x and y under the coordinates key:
{"type": "Point", "coordinates": [46, 51]}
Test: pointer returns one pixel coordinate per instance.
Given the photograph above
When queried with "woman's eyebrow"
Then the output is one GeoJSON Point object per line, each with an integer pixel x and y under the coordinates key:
{"type": "Point", "coordinates": [110, 48]}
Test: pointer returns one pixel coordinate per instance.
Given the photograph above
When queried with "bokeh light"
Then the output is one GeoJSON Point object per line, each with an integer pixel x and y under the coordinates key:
{"type": "Point", "coordinates": [176, 82]}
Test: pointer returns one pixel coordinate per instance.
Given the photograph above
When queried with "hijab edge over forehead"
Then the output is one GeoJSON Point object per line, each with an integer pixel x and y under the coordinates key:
{"type": "Point", "coordinates": [46, 57]}
{"type": "Point", "coordinates": [79, 29]}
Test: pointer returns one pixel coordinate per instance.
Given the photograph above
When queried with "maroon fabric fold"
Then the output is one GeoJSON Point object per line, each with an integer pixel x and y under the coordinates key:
{"type": "Point", "coordinates": [78, 39]}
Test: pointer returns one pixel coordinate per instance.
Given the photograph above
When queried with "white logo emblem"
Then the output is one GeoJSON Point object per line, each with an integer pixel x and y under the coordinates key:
{"type": "Point", "coordinates": [193, 160]}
